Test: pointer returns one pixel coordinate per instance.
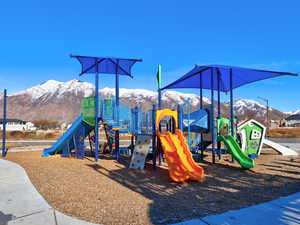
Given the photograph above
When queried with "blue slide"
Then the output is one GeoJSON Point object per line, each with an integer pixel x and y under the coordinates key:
{"type": "Point", "coordinates": [66, 142]}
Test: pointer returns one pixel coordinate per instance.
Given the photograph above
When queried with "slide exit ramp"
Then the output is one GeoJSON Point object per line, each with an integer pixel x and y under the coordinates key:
{"type": "Point", "coordinates": [280, 148]}
{"type": "Point", "coordinates": [66, 142]}
{"type": "Point", "coordinates": [237, 152]}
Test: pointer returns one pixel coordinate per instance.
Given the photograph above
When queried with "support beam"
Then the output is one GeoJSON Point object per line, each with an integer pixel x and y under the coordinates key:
{"type": "Point", "coordinates": [231, 106]}
{"type": "Point", "coordinates": [180, 117]}
{"type": "Point", "coordinates": [219, 96]}
{"type": "Point", "coordinates": [231, 103]}
{"type": "Point", "coordinates": [97, 116]}
{"type": "Point", "coordinates": [117, 134]}
{"type": "Point", "coordinates": [219, 113]}
{"type": "Point", "coordinates": [136, 120]}
{"type": "Point", "coordinates": [201, 107]}
{"type": "Point", "coordinates": [201, 92]}
{"type": "Point", "coordinates": [212, 124]}
{"type": "Point", "coordinates": [189, 126]}
{"type": "Point", "coordinates": [159, 99]}
{"type": "Point", "coordinates": [4, 123]}
{"type": "Point", "coordinates": [147, 122]}
{"type": "Point", "coordinates": [154, 144]}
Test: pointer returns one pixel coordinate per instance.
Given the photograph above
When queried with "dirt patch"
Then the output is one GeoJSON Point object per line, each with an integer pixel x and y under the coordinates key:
{"type": "Point", "coordinates": [108, 192]}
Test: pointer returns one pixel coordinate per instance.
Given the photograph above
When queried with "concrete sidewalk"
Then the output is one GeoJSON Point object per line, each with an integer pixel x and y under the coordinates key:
{"type": "Point", "coordinates": [23, 150]}
{"type": "Point", "coordinates": [284, 210]}
{"type": "Point", "coordinates": [20, 203]}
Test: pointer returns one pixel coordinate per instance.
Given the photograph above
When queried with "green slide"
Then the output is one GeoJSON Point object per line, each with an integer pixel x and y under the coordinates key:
{"type": "Point", "coordinates": [236, 152]}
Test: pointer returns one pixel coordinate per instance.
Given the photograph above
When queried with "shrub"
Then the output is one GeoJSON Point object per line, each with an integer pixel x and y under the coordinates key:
{"type": "Point", "coordinates": [16, 134]}
{"type": "Point", "coordinates": [49, 136]}
{"type": "Point", "coordinates": [46, 124]}
{"type": "Point", "coordinates": [30, 134]}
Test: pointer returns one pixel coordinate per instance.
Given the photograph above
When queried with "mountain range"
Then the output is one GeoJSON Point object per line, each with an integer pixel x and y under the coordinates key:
{"type": "Point", "coordinates": [61, 101]}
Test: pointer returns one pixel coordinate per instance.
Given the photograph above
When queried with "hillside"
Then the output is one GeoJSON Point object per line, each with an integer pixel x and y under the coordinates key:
{"type": "Point", "coordinates": [54, 100]}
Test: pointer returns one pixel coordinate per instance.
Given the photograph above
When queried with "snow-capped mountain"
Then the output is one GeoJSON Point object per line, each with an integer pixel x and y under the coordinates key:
{"type": "Point", "coordinates": [242, 104]}
{"type": "Point", "coordinates": [297, 111]}
{"type": "Point", "coordinates": [144, 99]}
{"type": "Point", "coordinates": [52, 88]}
{"type": "Point", "coordinates": [54, 100]}
{"type": "Point", "coordinates": [293, 112]}
{"type": "Point", "coordinates": [246, 109]}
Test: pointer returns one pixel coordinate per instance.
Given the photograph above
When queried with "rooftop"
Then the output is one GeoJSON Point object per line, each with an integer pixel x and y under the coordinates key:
{"type": "Point", "coordinates": [13, 120]}
{"type": "Point", "coordinates": [294, 117]}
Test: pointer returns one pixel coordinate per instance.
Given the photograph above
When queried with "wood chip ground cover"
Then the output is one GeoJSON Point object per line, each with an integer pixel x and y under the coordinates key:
{"type": "Point", "coordinates": [108, 192]}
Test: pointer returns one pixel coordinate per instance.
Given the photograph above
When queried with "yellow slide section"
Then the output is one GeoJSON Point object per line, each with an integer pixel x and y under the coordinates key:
{"type": "Point", "coordinates": [180, 161]}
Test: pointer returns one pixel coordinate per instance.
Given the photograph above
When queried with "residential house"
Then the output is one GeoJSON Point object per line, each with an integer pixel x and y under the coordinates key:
{"type": "Point", "coordinates": [16, 124]}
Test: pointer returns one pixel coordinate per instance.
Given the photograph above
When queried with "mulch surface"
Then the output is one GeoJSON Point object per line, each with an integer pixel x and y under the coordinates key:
{"type": "Point", "coordinates": [108, 192]}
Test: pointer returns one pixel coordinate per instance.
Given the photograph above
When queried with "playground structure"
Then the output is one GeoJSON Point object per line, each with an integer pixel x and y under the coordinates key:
{"type": "Point", "coordinates": [144, 129]}
{"type": "Point", "coordinates": [222, 78]}
{"type": "Point", "coordinates": [243, 142]}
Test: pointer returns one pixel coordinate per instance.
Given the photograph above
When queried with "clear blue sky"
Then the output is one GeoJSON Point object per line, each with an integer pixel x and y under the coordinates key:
{"type": "Point", "coordinates": [38, 36]}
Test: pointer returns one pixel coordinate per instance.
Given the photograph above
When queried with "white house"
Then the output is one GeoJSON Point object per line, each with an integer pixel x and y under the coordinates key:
{"type": "Point", "coordinates": [15, 124]}
{"type": "Point", "coordinates": [293, 120]}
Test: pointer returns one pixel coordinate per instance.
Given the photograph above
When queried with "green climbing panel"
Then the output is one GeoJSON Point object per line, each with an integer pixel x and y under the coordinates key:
{"type": "Point", "coordinates": [88, 110]}
{"type": "Point", "coordinates": [107, 109]}
{"type": "Point", "coordinates": [224, 127]}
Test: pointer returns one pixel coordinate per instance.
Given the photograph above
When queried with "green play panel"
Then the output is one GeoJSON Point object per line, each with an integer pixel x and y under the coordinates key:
{"type": "Point", "coordinates": [251, 135]}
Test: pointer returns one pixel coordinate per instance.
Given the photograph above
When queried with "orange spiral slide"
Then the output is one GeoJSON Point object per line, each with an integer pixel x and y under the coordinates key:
{"type": "Point", "coordinates": [180, 161]}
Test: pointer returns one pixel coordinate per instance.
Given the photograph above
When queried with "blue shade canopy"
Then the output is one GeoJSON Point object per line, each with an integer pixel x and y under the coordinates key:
{"type": "Point", "coordinates": [240, 77]}
{"type": "Point", "coordinates": [109, 65]}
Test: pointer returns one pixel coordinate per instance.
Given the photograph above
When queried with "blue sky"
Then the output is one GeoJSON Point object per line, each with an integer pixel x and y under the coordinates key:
{"type": "Point", "coordinates": [38, 36]}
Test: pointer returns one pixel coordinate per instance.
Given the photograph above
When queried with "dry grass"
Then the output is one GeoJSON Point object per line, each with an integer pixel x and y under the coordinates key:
{"type": "Point", "coordinates": [108, 192]}
{"type": "Point", "coordinates": [45, 135]}
{"type": "Point", "coordinates": [33, 135]}
{"type": "Point", "coordinates": [21, 146]}
{"type": "Point", "coordinates": [17, 146]}
{"type": "Point", "coordinates": [284, 133]}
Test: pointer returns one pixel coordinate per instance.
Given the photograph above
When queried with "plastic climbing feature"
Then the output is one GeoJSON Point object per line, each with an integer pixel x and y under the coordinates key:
{"type": "Point", "coordinates": [88, 110]}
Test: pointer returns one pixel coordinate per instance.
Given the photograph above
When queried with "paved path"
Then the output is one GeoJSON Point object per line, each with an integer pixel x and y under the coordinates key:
{"type": "Point", "coordinates": [23, 150]}
{"type": "Point", "coordinates": [293, 143]}
{"type": "Point", "coordinates": [20, 203]}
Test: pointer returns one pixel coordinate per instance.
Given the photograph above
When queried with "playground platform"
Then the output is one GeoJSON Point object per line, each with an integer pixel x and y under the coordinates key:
{"type": "Point", "coordinates": [20, 203]}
